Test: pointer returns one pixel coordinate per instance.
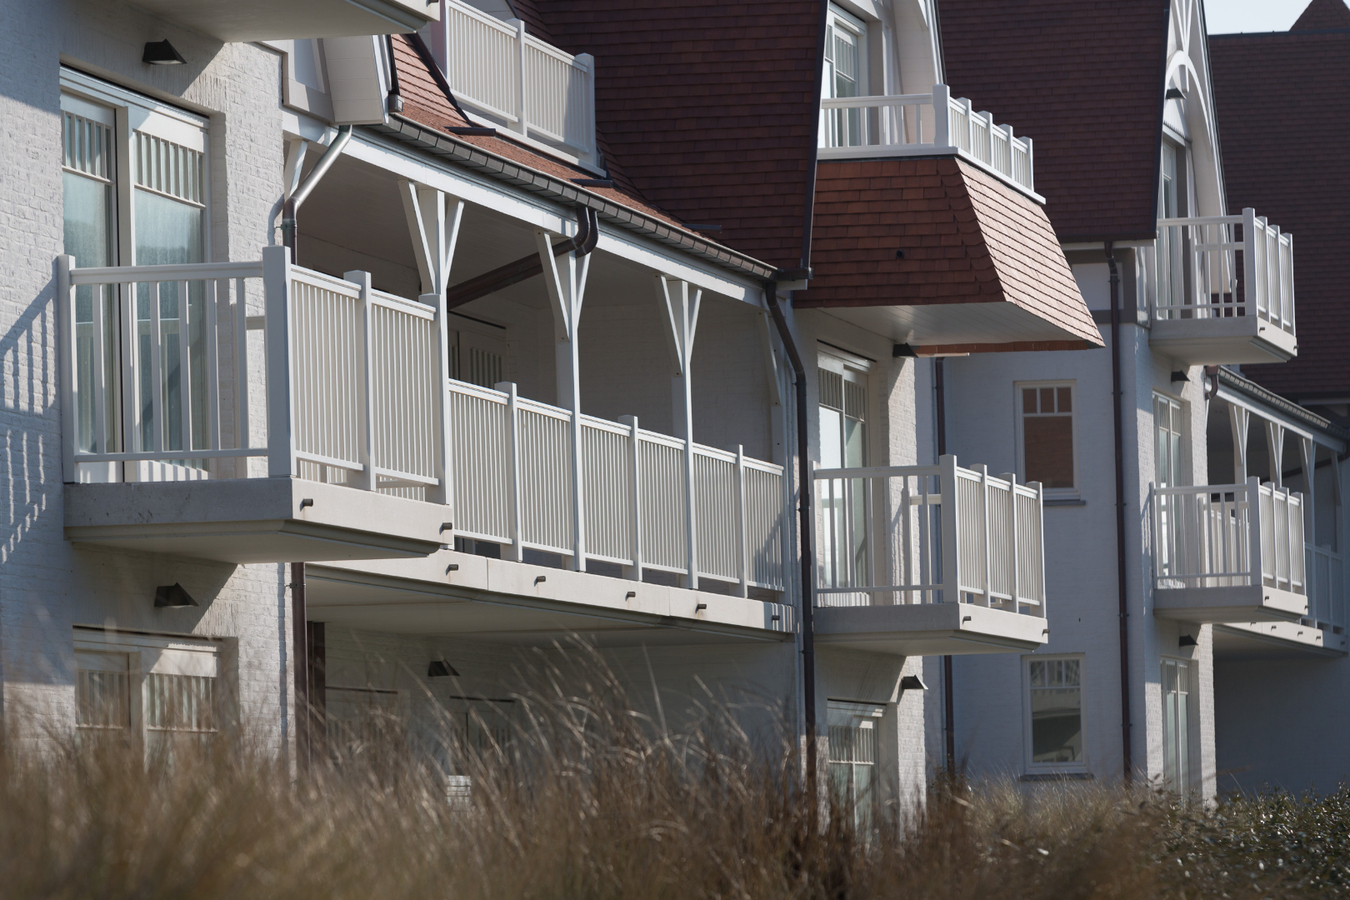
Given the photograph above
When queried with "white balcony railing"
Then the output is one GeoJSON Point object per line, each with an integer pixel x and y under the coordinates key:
{"type": "Point", "coordinates": [1326, 587]}
{"type": "Point", "coordinates": [1222, 536]}
{"type": "Point", "coordinates": [351, 395]}
{"type": "Point", "coordinates": [1223, 267]}
{"type": "Point", "coordinates": [510, 78]}
{"type": "Point", "coordinates": [929, 534]}
{"type": "Point", "coordinates": [924, 125]}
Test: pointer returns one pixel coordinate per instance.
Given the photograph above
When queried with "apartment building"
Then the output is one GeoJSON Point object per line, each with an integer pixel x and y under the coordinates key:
{"type": "Point", "coordinates": [380, 343]}
{"type": "Point", "coordinates": [1191, 514]}
{"type": "Point", "coordinates": [1279, 712]}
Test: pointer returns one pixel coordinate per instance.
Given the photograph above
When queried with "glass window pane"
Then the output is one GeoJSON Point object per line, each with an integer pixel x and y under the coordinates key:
{"type": "Point", "coordinates": [1065, 396]}
{"type": "Point", "coordinates": [1047, 400]}
{"type": "Point", "coordinates": [1048, 450]}
{"type": "Point", "coordinates": [1029, 406]}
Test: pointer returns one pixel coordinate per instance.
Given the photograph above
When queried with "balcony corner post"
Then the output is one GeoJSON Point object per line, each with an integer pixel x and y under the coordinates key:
{"type": "Point", "coordinates": [367, 479]}
{"type": "Point", "coordinates": [942, 97]}
{"type": "Point", "coordinates": [1255, 562]}
{"type": "Point", "coordinates": [983, 471]}
{"type": "Point", "coordinates": [1011, 478]}
{"type": "Point", "coordinates": [513, 450]}
{"type": "Point", "coordinates": [522, 126]}
{"type": "Point", "coordinates": [442, 439]}
{"type": "Point", "coordinates": [634, 572]}
{"type": "Point", "coordinates": [592, 155]}
{"type": "Point", "coordinates": [742, 544]}
{"type": "Point", "coordinates": [1040, 546]}
{"type": "Point", "coordinates": [1251, 285]}
{"type": "Point", "coordinates": [65, 326]}
{"type": "Point", "coordinates": [951, 533]}
{"type": "Point", "coordinates": [280, 362]}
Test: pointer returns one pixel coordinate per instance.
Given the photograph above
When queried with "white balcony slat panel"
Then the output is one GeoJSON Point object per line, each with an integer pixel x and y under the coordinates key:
{"type": "Point", "coordinates": [663, 502]}
{"type": "Point", "coordinates": [607, 455]}
{"type": "Point", "coordinates": [764, 525]}
{"type": "Point", "coordinates": [546, 492]}
{"type": "Point", "coordinates": [715, 512]}
{"type": "Point", "coordinates": [481, 462]}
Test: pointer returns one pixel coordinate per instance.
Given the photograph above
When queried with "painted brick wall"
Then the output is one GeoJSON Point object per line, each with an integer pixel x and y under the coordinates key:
{"type": "Point", "coordinates": [46, 584]}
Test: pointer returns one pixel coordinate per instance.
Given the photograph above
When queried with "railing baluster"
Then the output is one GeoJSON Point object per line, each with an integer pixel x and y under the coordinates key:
{"type": "Point", "coordinates": [70, 354]}
{"type": "Point", "coordinates": [156, 373]}
{"type": "Point", "coordinates": [513, 468]}
{"type": "Point", "coordinates": [210, 336]}
{"type": "Point", "coordinates": [184, 367]}
{"type": "Point", "coordinates": [742, 543]}
{"type": "Point", "coordinates": [241, 435]}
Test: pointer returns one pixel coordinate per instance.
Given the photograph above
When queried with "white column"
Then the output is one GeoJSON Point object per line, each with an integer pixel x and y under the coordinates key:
{"type": "Point", "coordinates": [433, 223]}
{"type": "Point", "coordinates": [1275, 452]}
{"type": "Point", "coordinates": [1239, 419]}
{"type": "Point", "coordinates": [565, 278]}
{"type": "Point", "coordinates": [280, 377]}
{"type": "Point", "coordinates": [680, 316]}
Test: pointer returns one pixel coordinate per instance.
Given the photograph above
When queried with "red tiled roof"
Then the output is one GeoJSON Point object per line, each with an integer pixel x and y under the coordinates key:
{"type": "Point", "coordinates": [711, 104]}
{"type": "Point", "coordinates": [1083, 79]}
{"type": "Point", "coordinates": [1322, 14]}
{"type": "Point", "coordinates": [965, 236]}
{"type": "Point", "coordinates": [1283, 105]}
{"type": "Point", "coordinates": [424, 103]}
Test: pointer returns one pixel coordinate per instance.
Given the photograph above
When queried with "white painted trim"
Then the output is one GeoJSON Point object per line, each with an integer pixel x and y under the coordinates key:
{"type": "Point", "coordinates": [1075, 492]}
{"type": "Point", "coordinates": [1032, 768]}
{"type": "Point", "coordinates": [1269, 415]}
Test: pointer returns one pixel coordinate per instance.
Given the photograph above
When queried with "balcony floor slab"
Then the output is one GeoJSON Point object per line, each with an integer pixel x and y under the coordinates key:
{"type": "Point", "coordinates": [1221, 341]}
{"type": "Point", "coordinates": [1248, 603]}
{"type": "Point", "coordinates": [1238, 641]}
{"type": "Point", "coordinates": [252, 520]}
{"type": "Point", "coordinates": [514, 603]}
{"type": "Point", "coordinates": [929, 629]}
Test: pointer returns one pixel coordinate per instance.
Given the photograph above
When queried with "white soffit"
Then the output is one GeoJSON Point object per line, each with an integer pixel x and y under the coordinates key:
{"type": "Point", "coordinates": [261, 20]}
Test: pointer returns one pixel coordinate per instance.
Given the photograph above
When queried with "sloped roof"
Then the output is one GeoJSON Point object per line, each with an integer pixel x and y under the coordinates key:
{"type": "Point", "coordinates": [1322, 14]}
{"type": "Point", "coordinates": [922, 232]}
{"type": "Point", "coordinates": [1083, 79]}
{"type": "Point", "coordinates": [1283, 106]}
{"type": "Point", "coordinates": [711, 105]}
{"type": "Point", "coordinates": [426, 105]}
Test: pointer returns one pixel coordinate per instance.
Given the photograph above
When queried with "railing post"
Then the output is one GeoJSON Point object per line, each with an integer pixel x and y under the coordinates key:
{"type": "Point", "coordinates": [1031, 165]}
{"type": "Point", "coordinates": [367, 480]}
{"type": "Point", "coordinates": [1040, 547]}
{"type": "Point", "coordinates": [942, 96]}
{"type": "Point", "coordinates": [1256, 565]}
{"type": "Point", "coordinates": [521, 126]}
{"type": "Point", "coordinates": [70, 392]}
{"type": "Point", "coordinates": [280, 363]}
{"type": "Point", "coordinates": [951, 532]}
{"type": "Point", "coordinates": [513, 467]}
{"type": "Point", "coordinates": [442, 440]}
{"type": "Point", "coordinates": [587, 62]}
{"type": "Point", "coordinates": [742, 544]}
{"type": "Point", "coordinates": [1011, 478]}
{"type": "Point", "coordinates": [1251, 281]}
{"type": "Point", "coordinates": [983, 471]}
{"type": "Point", "coordinates": [635, 509]}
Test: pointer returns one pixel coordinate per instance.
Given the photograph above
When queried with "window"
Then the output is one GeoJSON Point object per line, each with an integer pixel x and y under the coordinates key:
{"type": "Point", "coordinates": [1172, 241]}
{"type": "Point", "coordinates": [1176, 696]}
{"type": "Point", "coordinates": [845, 76]}
{"type": "Point", "coordinates": [161, 695]}
{"type": "Point", "coordinates": [1054, 732]}
{"type": "Point", "coordinates": [135, 193]}
{"type": "Point", "coordinates": [843, 502]}
{"type": "Point", "coordinates": [1169, 471]}
{"type": "Point", "coordinates": [1048, 435]}
{"type": "Point", "coordinates": [853, 758]}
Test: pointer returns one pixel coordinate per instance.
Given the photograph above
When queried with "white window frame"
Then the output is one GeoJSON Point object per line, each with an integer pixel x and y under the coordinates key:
{"type": "Point", "coordinates": [1191, 724]}
{"type": "Point", "coordinates": [1069, 493]}
{"type": "Point", "coordinates": [864, 716]}
{"type": "Point", "coordinates": [839, 18]}
{"type": "Point", "coordinates": [1042, 768]}
{"type": "Point", "coordinates": [1180, 409]}
{"type": "Point", "coordinates": [149, 654]}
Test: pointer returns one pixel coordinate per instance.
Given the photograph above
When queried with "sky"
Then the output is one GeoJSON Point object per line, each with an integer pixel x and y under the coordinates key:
{"type": "Point", "coordinates": [1228, 16]}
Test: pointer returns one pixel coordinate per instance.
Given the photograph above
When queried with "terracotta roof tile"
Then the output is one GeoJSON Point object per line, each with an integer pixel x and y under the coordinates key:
{"type": "Point", "coordinates": [1083, 79]}
{"type": "Point", "coordinates": [966, 238]}
{"type": "Point", "coordinates": [1283, 105]}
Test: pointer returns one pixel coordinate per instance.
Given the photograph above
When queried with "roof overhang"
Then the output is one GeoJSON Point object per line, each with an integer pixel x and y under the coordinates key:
{"type": "Point", "coordinates": [270, 20]}
{"type": "Point", "coordinates": [943, 257]}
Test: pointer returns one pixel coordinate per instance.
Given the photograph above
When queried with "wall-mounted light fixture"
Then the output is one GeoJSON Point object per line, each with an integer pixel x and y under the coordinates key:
{"type": "Point", "coordinates": [439, 668]}
{"type": "Point", "coordinates": [172, 596]}
{"type": "Point", "coordinates": [912, 683]}
{"type": "Point", "coordinates": [1180, 376]}
{"type": "Point", "coordinates": [1174, 94]}
{"type": "Point", "coordinates": [1186, 640]}
{"type": "Point", "coordinates": [162, 53]}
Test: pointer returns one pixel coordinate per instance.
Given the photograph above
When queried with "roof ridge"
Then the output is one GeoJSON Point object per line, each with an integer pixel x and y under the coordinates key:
{"type": "Point", "coordinates": [1323, 14]}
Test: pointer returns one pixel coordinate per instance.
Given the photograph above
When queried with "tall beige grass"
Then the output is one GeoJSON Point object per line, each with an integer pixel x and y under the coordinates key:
{"type": "Point", "coordinates": [589, 799]}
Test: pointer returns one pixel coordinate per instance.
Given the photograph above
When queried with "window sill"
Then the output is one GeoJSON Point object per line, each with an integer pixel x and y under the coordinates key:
{"type": "Point", "coordinates": [1064, 501]}
{"type": "Point", "coordinates": [1058, 776]}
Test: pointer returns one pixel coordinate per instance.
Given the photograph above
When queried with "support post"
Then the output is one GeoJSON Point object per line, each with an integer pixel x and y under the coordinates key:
{"type": "Point", "coordinates": [513, 461]}
{"type": "Point", "coordinates": [1275, 452]}
{"type": "Point", "coordinates": [70, 388]}
{"type": "Point", "coordinates": [367, 480]}
{"type": "Point", "coordinates": [280, 360]}
{"type": "Point", "coordinates": [634, 572]}
{"type": "Point", "coordinates": [1011, 478]}
{"type": "Point", "coordinates": [433, 223]}
{"type": "Point", "coordinates": [681, 321]}
{"type": "Point", "coordinates": [1239, 420]}
{"type": "Point", "coordinates": [1255, 564]}
{"type": "Point", "coordinates": [566, 283]}
{"type": "Point", "coordinates": [742, 542]}
{"type": "Point", "coordinates": [951, 533]}
{"type": "Point", "coordinates": [442, 439]}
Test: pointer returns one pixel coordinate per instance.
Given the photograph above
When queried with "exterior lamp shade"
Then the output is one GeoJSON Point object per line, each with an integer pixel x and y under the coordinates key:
{"type": "Point", "coordinates": [912, 683]}
{"type": "Point", "coordinates": [1186, 640]}
{"type": "Point", "coordinates": [172, 596]}
{"type": "Point", "coordinates": [439, 668]}
{"type": "Point", "coordinates": [162, 53]}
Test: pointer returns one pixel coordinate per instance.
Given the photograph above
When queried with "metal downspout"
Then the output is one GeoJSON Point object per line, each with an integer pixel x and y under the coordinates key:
{"type": "Point", "coordinates": [806, 527]}
{"type": "Point", "coordinates": [302, 192]}
{"type": "Point", "coordinates": [1117, 395]}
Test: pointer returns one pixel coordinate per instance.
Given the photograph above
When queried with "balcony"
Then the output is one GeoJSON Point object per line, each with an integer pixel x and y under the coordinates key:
{"type": "Point", "coordinates": [1229, 553]}
{"type": "Point", "coordinates": [924, 560]}
{"type": "Point", "coordinates": [506, 78]}
{"type": "Point", "coordinates": [268, 20]}
{"type": "Point", "coordinates": [1320, 633]}
{"type": "Point", "coordinates": [269, 413]}
{"type": "Point", "coordinates": [933, 124]}
{"type": "Point", "coordinates": [1224, 291]}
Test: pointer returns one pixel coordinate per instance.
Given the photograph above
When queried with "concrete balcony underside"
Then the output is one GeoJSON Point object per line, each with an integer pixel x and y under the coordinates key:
{"type": "Point", "coordinates": [1245, 603]}
{"type": "Point", "coordinates": [515, 603]}
{"type": "Point", "coordinates": [1238, 641]}
{"type": "Point", "coordinates": [1215, 341]}
{"type": "Point", "coordinates": [264, 20]}
{"type": "Point", "coordinates": [251, 520]}
{"type": "Point", "coordinates": [928, 629]}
